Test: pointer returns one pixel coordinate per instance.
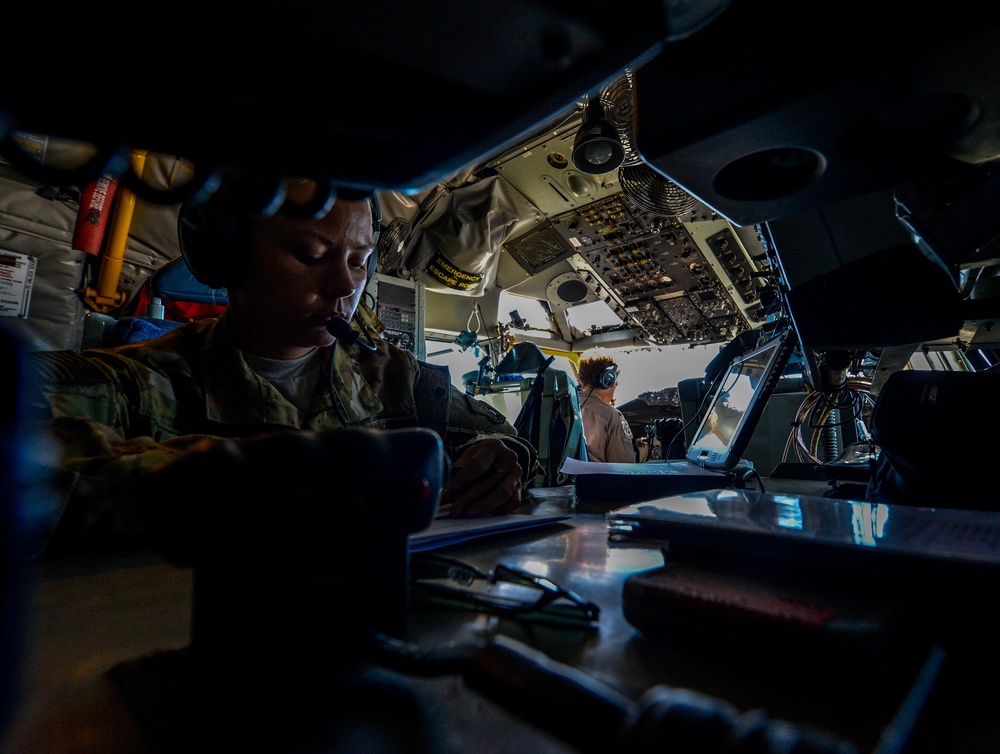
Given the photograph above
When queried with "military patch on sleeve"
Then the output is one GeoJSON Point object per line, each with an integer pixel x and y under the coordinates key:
{"type": "Point", "coordinates": [626, 429]}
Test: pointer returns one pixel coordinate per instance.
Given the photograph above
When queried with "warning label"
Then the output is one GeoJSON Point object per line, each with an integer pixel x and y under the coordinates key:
{"type": "Point", "coordinates": [445, 272]}
{"type": "Point", "coordinates": [17, 276]}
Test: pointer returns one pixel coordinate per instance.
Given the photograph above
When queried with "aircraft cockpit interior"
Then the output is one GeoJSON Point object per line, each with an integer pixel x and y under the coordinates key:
{"type": "Point", "coordinates": [802, 199]}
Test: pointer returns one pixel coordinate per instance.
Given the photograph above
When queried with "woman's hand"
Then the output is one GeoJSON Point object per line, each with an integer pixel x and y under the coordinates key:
{"type": "Point", "coordinates": [486, 480]}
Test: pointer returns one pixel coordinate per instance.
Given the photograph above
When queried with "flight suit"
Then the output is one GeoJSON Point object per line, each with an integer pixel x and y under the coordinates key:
{"type": "Point", "coordinates": [609, 436]}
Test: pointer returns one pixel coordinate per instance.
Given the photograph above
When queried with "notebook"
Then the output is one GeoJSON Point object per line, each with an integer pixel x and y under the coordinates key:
{"type": "Point", "coordinates": [735, 406]}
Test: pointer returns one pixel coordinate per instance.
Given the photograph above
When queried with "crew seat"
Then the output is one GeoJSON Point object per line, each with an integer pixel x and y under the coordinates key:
{"type": "Point", "coordinates": [170, 297]}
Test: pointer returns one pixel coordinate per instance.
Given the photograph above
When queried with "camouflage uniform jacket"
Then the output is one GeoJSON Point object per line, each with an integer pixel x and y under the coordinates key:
{"type": "Point", "coordinates": [115, 413]}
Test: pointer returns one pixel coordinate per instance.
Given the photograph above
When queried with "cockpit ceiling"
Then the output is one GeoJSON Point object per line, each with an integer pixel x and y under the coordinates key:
{"type": "Point", "coordinates": [672, 280]}
{"type": "Point", "coordinates": [671, 268]}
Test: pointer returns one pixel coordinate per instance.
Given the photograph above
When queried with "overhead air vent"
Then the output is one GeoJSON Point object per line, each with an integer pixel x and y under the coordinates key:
{"type": "Point", "coordinates": [618, 98]}
{"type": "Point", "coordinates": [652, 192]}
{"type": "Point", "coordinates": [646, 188]}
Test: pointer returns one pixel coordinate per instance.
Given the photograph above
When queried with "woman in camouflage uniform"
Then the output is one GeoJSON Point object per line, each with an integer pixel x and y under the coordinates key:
{"type": "Point", "coordinates": [268, 364]}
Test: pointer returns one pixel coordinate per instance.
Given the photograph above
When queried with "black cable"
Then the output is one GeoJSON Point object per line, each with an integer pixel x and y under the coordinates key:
{"type": "Point", "coordinates": [344, 333]}
{"type": "Point", "coordinates": [650, 439]}
{"type": "Point", "coordinates": [751, 475]}
{"type": "Point", "coordinates": [848, 399]}
{"type": "Point", "coordinates": [413, 659]}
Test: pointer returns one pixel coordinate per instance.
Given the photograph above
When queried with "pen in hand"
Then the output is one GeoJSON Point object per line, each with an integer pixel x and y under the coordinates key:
{"type": "Point", "coordinates": [473, 490]}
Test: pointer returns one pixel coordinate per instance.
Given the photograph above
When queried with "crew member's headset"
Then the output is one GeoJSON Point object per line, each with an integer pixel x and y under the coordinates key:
{"type": "Point", "coordinates": [608, 376]}
{"type": "Point", "coordinates": [214, 234]}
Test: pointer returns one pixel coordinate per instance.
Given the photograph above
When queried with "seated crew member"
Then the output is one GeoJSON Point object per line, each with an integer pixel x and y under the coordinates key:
{"type": "Point", "coordinates": [609, 436]}
{"type": "Point", "coordinates": [268, 364]}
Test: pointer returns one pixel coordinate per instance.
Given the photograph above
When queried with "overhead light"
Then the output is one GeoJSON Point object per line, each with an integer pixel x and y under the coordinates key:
{"type": "Point", "coordinates": [597, 147]}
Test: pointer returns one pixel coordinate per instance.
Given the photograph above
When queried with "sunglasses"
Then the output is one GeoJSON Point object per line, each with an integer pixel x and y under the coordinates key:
{"type": "Point", "coordinates": [505, 591]}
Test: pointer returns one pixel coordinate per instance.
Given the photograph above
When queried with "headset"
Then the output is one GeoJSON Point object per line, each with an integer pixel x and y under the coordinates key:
{"type": "Point", "coordinates": [214, 234]}
{"type": "Point", "coordinates": [608, 376]}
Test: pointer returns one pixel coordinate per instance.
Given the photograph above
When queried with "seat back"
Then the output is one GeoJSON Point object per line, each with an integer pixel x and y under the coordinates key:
{"type": "Point", "coordinates": [933, 430]}
{"type": "Point", "coordinates": [170, 297]}
{"type": "Point", "coordinates": [551, 421]}
{"type": "Point", "coordinates": [182, 297]}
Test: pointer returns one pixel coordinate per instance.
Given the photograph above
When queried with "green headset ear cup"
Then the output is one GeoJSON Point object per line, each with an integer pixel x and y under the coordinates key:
{"type": "Point", "coordinates": [608, 377]}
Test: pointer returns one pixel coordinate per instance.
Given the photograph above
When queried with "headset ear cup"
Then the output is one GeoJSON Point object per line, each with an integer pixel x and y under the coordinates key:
{"type": "Point", "coordinates": [206, 239]}
{"type": "Point", "coordinates": [214, 235]}
{"type": "Point", "coordinates": [609, 376]}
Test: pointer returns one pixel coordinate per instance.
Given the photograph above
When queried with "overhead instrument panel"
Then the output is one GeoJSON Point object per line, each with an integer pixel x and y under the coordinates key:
{"type": "Point", "coordinates": [674, 280]}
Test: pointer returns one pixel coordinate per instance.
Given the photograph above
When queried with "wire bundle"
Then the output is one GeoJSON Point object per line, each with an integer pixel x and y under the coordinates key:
{"type": "Point", "coordinates": [822, 410]}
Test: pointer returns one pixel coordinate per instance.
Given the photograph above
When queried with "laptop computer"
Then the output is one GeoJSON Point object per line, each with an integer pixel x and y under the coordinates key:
{"type": "Point", "coordinates": [734, 408]}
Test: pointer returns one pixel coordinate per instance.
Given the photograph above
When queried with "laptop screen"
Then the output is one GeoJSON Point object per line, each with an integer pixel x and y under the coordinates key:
{"type": "Point", "coordinates": [737, 404]}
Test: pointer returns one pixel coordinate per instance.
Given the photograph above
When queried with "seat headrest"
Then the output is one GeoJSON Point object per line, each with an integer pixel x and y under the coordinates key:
{"type": "Point", "coordinates": [523, 358]}
{"type": "Point", "coordinates": [175, 281]}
